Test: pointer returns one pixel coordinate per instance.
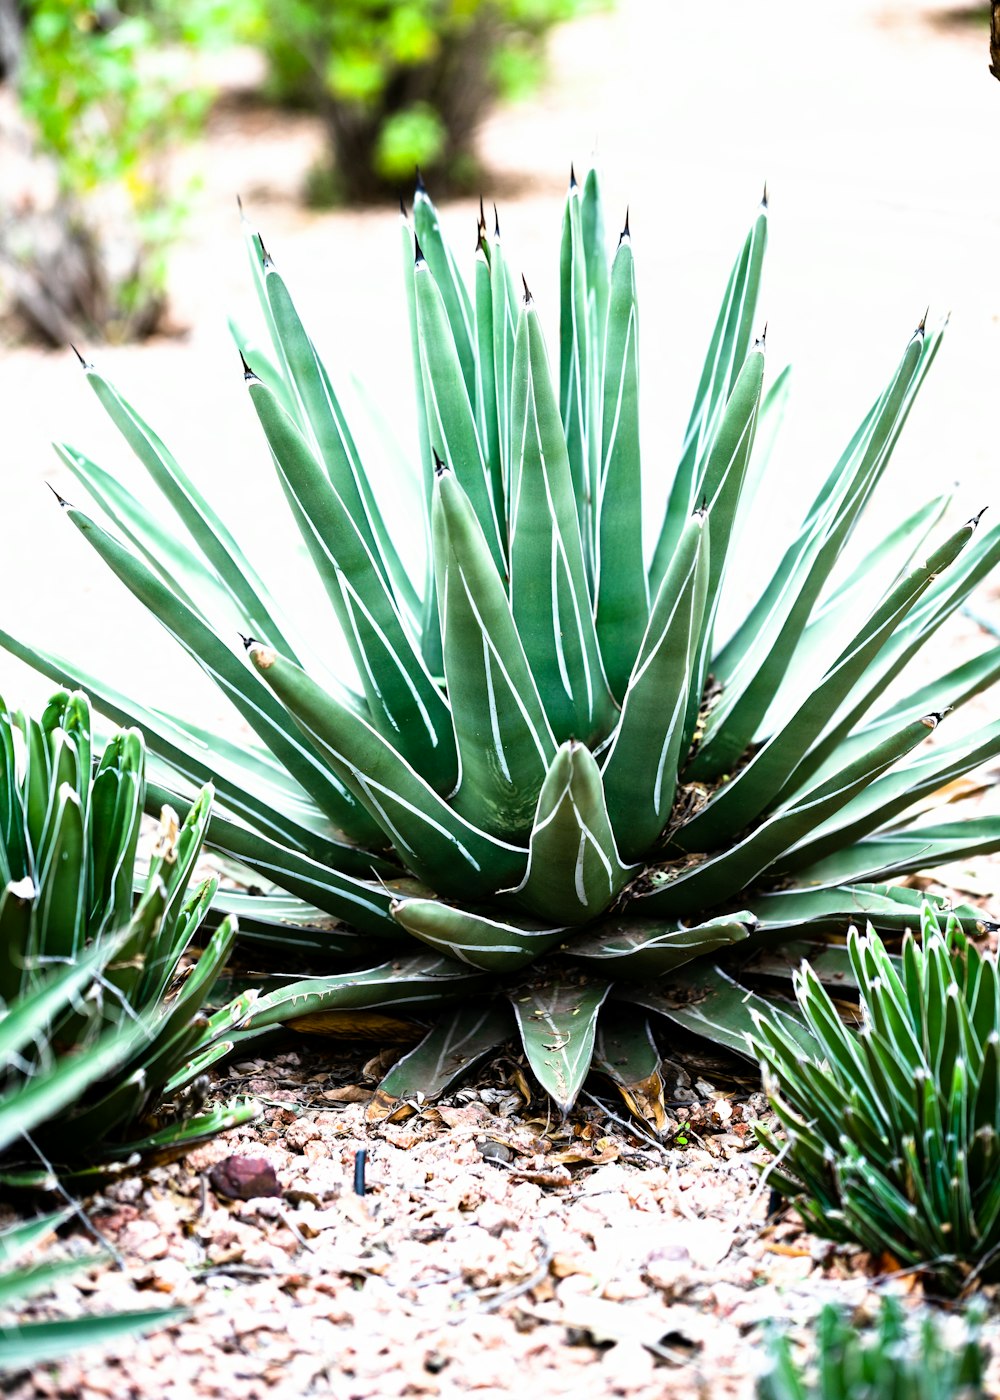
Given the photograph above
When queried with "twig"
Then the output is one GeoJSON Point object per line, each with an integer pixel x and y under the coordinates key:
{"type": "Point", "coordinates": [74, 1204]}
{"type": "Point", "coordinates": [629, 1127]}
{"type": "Point", "coordinates": [526, 1284]}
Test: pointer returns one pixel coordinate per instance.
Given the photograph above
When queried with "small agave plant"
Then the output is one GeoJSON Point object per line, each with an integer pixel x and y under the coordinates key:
{"type": "Point", "coordinates": [27, 1344]}
{"type": "Point", "coordinates": [558, 791]}
{"type": "Point", "coordinates": [97, 1037]}
{"type": "Point", "coordinates": [898, 1358]}
{"type": "Point", "coordinates": [892, 1131]}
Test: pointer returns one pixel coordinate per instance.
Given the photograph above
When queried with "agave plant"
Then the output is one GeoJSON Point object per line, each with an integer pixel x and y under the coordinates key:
{"type": "Point", "coordinates": [27, 1344]}
{"type": "Point", "coordinates": [892, 1130]}
{"type": "Point", "coordinates": [96, 1037]}
{"type": "Point", "coordinates": [553, 769]}
{"type": "Point", "coordinates": [897, 1359]}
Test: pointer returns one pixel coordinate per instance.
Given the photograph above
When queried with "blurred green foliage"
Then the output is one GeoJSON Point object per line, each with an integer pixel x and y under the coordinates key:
{"type": "Point", "coordinates": [402, 83]}
{"type": "Point", "coordinates": [107, 91]}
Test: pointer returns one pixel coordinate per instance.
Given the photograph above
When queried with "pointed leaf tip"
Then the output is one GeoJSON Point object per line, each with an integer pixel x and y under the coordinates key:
{"type": "Point", "coordinates": [572, 176]}
{"type": "Point", "coordinates": [61, 499]}
{"type": "Point", "coordinates": [496, 222]}
{"type": "Point", "coordinates": [402, 206]}
{"type": "Point", "coordinates": [922, 327]}
{"type": "Point", "coordinates": [248, 373]}
{"type": "Point", "coordinates": [761, 342]}
{"type": "Point", "coordinates": [265, 255]}
{"type": "Point", "coordinates": [625, 233]}
{"type": "Point", "coordinates": [85, 363]}
{"type": "Point", "coordinates": [248, 642]}
{"type": "Point", "coordinates": [527, 293]}
{"type": "Point", "coordinates": [419, 185]}
{"type": "Point", "coordinates": [440, 467]}
{"type": "Point", "coordinates": [976, 518]}
{"type": "Point", "coordinates": [418, 253]}
{"type": "Point", "coordinates": [763, 198]}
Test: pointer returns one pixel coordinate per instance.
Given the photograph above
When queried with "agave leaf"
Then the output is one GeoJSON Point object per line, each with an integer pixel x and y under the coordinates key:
{"type": "Point", "coordinates": [505, 744]}
{"type": "Point", "coordinates": [595, 255]}
{"type": "Point", "coordinates": [626, 1052]}
{"type": "Point", "coordinates": [53, 988]}
{"type": "Point", "coordinates": [478, 939]}
{"type": "Point", "coordinates": [622, 606]}
{"type": "Point", "coordinates": [265, 795]}
{"type": "Point", "coordinates": [246, 588]}
{"type": "Point", "coordinates": [365, 903]}
{"type": "Point", "coordinates": [44, 1096]}
{"type": "Point", "coordinates": [640, 791]}
{"type": "Point", "coordinates": [454, 856]}
{"type": "Point", "coordinates": [116, 806]}
{"type": "Point", "coordinates": [574, 869]}
{"type": "Point", "coordinates": [752, 665]}
{"type": "Point", "coordinates": [420, 983]}
{"type": "Point", "coordinates": [180, 568]}
{"type": "Point", "coordinates": [722, 491]}
{"type": "Point", "coordinates": [174, 1141]}
{"type": "Point", "coordinates": [451, 423]}
{"type": "Point", "coordinates": [454, 294]}
{"type": "Point", "coordinates": [941, 695]}
{"type": "Point", "coordinates": [250, 697]}
{"type": "Point", "coordinates": [504, 323]}
{"type": "Point", "coordinates": [576, 370]}
{"type": "Point", "coordinates": [62, 901]}
{"type": "Point", "coordinates": [942, 598]}
{"type": "Point", "coordinates": [726, 353]}
{"type": "Point", "coordinates": [23, 1236]}
{"type": "Point", "coordinates": [557, 1021]}
{"type": "Point", "coordinates": [894, 792]}
{"type": "Point", "coordinates": [708, 1002]}
{"type": "Point", "coordinates": [763, 778]}
{"type": "Point", "coordinates": [17, 899]}
{"type": "Point", "coordinates": [430, 635]}
{"type": "Point", "coordinates": [549, 596]}
{"type": "Point", "coordinates": [835, 908]}
{"type": "Point", "coordinates": [833, 619]}
{"type": "Point", "coordinates": [904, 851]}
{"type": "Point", "coordinates": [33, 1343]}
{"type": "Point", "coordinates": [487, 420]}
{"type": "Point", "coordinates": [721, 877]}
{"type": "Point", "coordinates": [461, 1038]}
{"type": "Point", "coordinates": [647, 948]}
{"type": "Point", "coordinates": [274, 915]}
{"type": "Point", "coordinates": [321, 416]}
{"type": "Point", "coordinates": [403, 701]}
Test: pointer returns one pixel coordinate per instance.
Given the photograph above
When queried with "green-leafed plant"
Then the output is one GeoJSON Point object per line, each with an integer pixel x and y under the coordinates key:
{"type": "Point", "coordinates": [895, 1360]}
{"type": "Point", "coordinates": [98, 1039]}
{"type": "Point", "coordinates": [892, 1129]}
{"type": "Point", "coordinates": [556, 775]}
{"type": "Point", "coordinates": [104, 97]}
{"type": "Point", "coordinates": [26, 1344]}
{"type": "Point", "coordinates": [403, 83]}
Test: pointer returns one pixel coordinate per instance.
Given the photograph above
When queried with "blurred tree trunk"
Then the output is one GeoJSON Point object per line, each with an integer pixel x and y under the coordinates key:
{"type": "Point", "coordinates": [995, 38]}
{"type": "Point", "coordinates": [11, 37]}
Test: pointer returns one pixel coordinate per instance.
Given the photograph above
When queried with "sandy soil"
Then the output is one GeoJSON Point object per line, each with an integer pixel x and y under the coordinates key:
{"type": "Point", "coordinates": [584, 1257]}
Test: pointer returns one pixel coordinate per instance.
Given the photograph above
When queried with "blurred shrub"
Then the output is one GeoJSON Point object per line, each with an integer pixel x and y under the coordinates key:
{"type": "Point", "coordinates": [402, 83]}
{"type": "Point", "coordinates": [106, 92]}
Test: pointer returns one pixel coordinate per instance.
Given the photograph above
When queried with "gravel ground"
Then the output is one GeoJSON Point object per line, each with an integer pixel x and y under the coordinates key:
{"type": "Point", "coordinates": [496, 1251]}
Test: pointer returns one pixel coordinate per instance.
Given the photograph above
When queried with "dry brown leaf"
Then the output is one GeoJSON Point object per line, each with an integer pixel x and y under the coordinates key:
{"type": "Point", "coordinates": [348, 1093]}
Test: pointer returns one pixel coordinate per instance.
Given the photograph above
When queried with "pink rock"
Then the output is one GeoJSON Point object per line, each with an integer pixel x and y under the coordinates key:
{"type": "Point", "coordinates": [243, 1178]}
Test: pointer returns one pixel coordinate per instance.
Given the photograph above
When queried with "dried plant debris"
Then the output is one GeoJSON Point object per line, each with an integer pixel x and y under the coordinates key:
{"type": "Point", "coordinates": [493, 1250]}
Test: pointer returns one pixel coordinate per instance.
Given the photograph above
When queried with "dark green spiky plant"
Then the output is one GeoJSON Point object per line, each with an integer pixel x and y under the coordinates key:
{"type": "Point", "coordinates": [26, 1344]}
{"type": "Point", "coordinates": [897, 1359]}
{"type": "Point", "coordinates": [892, 1130]}
{"type": "Point", "coordinates": [96, 1039]}
{"type": "Point", "coordinates": [555, 772]}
